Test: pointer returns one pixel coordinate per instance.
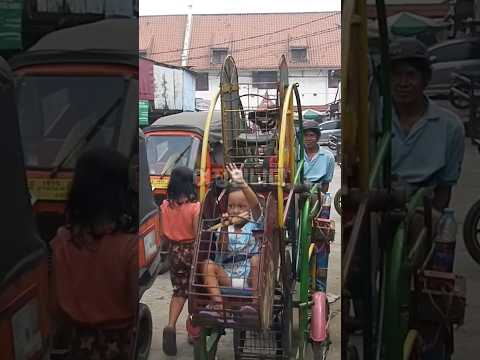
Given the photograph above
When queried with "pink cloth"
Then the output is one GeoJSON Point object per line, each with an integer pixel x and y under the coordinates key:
{"type": "Point", "coordinates": [178, 220]}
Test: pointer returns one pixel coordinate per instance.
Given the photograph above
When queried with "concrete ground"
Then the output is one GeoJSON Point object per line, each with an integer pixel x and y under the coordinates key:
{"type": "Point", "coordinates": [158, 299]}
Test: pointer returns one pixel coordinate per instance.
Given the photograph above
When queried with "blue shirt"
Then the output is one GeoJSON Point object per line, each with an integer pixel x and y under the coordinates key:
{"type": "Point", "coordinates": [321, 167]}
{"type": "Point", "coordinates": [240, 246]}
{"type": "Point", "coordinates": [431, 153]}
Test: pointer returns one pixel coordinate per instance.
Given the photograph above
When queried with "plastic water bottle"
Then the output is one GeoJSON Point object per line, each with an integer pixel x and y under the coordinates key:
{"type": "Point", "coordinates": [444, 253]}
{"type": "Point", "coordinates": [327, 203]}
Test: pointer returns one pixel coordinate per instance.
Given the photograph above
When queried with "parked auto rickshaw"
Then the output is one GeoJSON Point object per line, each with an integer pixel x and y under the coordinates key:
{"type": "Point", "coordinates": [176, 140]}
{"type": "Point", "coordinates": [77, 89]}
{"type": "Point", "coordinates": [24, 318]}
{"type": "Point", "coordinates": [150, 259]}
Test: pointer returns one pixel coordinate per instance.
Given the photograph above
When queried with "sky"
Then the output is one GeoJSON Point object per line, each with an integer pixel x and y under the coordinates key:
{"type": "Point", "coordinates": [164, 7]}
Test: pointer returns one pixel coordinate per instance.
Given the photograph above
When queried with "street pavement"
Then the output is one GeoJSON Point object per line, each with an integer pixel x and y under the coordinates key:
{"type": "Point", "coordinates": [158, 299]}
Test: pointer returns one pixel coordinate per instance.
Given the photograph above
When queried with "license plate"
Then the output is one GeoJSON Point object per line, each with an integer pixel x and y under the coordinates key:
{"type": "Point", "coordinates": [159, 182]}
{"type": "Point", "coordinates": [49, 189]}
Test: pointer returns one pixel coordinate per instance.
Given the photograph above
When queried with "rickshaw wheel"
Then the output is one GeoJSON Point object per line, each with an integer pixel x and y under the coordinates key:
{"type": "Point", "coordinates": [144, 336]}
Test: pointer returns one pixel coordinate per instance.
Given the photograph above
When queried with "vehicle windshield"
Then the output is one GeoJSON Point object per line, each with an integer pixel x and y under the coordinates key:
{"type": "Point", "coordinates": [57, 112]}
{"type": "Point", "coordinates": [164, 153]}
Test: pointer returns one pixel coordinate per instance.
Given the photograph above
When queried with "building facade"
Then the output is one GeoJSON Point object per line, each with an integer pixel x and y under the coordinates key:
{"type": "Point", "coordinates": [309, 41]}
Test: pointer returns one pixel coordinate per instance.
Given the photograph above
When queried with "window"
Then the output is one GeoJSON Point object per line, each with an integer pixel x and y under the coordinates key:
{"type": "Point", "coordinates": [201, 82]}
{"type": "Point", "coordinates": [333, 78]}
{"type": "Point", "coordinates": [298, 55]}
{"type": "Point", "coordinates": [56, 111]}
{"type": "Point", "coordinates": [219, 55]}
{"type": "Point", "coordinates": [164, 153]}
{"type": "Point", "coordinates": [264, 79]}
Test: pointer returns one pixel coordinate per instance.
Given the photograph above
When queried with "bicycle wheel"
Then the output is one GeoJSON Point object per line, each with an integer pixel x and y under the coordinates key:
{"type": "Point", "coordinates": [471, 232]}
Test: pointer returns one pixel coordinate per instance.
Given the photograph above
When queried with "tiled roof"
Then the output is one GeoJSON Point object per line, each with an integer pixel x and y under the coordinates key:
{"type": "Point", "coordinates": [161, 34]}
{"type": "Point", "coordinates": [244, 36]}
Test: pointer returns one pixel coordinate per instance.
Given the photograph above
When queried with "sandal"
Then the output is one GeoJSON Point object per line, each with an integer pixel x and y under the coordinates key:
{"type": "Point", "coordinates": [169, 341]}
{"type": "Point", "coordinates": [215, 313]}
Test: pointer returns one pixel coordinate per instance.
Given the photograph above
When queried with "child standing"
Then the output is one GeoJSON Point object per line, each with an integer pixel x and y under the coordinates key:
{"type": "Point", "coordinates": [237, 261]}
{"type": "Point", "coordinates": [95, 260]}
{"type": "Point", "coordinates": [179, 217]}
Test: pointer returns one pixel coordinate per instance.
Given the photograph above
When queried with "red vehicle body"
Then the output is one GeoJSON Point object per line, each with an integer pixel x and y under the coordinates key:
{"type": "Point", "coordinates": [75, 93]}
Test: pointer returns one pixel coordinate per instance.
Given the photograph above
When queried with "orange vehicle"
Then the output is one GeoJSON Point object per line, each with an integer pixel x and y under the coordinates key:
{"type": "Point", "coordinates": [24, 316]}
{"type": "Point", "coordinates": [73, 94]}
{"type": "Point", "coordinates": [150, 259]}
{"type": "Point", "coordinates": [77, 89]}
{"type": "Point", "coordinates": [176, 140]}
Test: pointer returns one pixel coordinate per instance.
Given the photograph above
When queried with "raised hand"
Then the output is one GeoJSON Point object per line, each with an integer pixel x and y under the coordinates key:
{"type": "Point", "coordinates": [236, 174]}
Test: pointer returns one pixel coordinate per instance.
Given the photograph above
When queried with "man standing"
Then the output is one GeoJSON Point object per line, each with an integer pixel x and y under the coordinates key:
{"type": "Point", "coordinates": [428, 141]}
{"type": "Point", "coordinates": [319, 163]}
{"type": "Point", "coordinates": [427, 151]}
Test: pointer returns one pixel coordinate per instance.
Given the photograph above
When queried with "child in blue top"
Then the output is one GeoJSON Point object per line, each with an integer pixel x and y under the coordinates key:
{"type": "Point", "coordinates": [237, 259]}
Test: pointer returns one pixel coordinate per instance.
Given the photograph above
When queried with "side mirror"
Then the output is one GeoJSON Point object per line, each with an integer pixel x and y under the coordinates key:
{"type": "Point", "coordinates": [433, 59]}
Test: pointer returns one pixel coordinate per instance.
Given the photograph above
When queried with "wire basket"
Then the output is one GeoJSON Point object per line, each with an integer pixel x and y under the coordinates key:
{"type": "Point", "coordinates": [265, 345]}
{"type": "Point", "coordinates": [247, 289]}
{"type": "Point", "coordinates": [251, 128]}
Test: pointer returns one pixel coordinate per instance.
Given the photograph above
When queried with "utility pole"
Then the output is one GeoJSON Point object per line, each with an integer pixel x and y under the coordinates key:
{"type": "Point", "coordinates": [188, 36]}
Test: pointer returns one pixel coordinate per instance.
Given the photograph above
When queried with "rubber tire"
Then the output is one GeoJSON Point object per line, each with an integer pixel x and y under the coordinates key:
{"type": "Point", "coordinates": [145, 330]}
{"type": "Point", "coordinates": [337, 201]}
{"type": "Point", "coordinates": [469, 231]}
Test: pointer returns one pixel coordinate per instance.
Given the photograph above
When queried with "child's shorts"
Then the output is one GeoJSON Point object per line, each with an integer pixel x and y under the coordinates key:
{"type": "Point", "coordinates": [238, 272]}
{"type": "Point", "coordinates": [181, 257]}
